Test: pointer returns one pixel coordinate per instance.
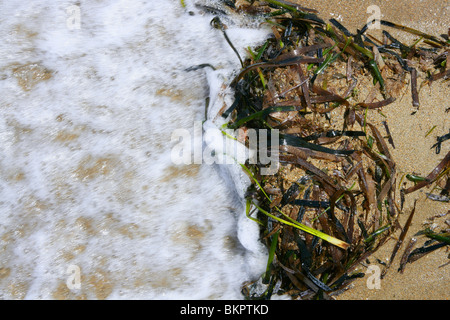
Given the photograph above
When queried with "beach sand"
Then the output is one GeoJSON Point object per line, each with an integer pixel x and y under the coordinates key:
{"type": "Point", "coordinates": [108, 202]}
{"type": "Point", "coordinates": [428, 277]}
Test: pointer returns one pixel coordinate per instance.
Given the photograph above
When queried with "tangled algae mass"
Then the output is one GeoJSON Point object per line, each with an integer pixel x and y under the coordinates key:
{"type": "Point", "coordinates": [337, 196]}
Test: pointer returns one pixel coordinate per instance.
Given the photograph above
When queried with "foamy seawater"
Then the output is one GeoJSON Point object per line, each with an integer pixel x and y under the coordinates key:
{"type": "Point", "coordinates": [91, 204]}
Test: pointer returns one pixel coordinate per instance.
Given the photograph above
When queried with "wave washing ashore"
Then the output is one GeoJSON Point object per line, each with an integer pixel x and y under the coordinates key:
{"type": "Point", "coordinates": [92, 205]}
{"type": "Point", "coordinates": [118, 178]}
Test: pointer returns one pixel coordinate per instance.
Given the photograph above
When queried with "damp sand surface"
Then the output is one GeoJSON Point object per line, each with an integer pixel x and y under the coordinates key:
{"type": "Point", "coordinates": [428, 277]}
{"type": "Point", "coordinates": [86, 178]}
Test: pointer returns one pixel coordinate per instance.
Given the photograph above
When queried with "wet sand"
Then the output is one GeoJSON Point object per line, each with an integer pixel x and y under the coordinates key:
{"type": "Point", "coordinates": [113, 242]}
{"type": "Point", "coordinates": [426, 278]}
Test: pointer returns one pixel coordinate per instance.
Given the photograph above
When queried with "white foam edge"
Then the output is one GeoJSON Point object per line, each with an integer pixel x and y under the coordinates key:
{"type": "Point", "coordinates": [248, 231]}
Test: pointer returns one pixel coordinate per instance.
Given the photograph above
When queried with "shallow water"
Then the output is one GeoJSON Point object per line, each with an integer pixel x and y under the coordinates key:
{"type": "Point", "coordinates": [92, 205]}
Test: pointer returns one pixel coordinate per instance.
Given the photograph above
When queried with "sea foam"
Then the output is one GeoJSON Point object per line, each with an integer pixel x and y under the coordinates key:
{"type": "Point", "coordinates": [87, 183]}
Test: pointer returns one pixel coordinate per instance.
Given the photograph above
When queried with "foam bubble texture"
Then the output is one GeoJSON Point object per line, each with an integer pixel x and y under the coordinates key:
{"type": "Point", "coordinates": [86, 177]}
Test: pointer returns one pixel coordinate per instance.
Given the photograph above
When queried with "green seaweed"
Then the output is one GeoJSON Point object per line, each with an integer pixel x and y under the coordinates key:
{"type": "Point", "coordinates": [317, 227]}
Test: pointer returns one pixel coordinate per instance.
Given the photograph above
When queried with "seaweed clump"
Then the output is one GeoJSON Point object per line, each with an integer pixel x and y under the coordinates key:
{"type": "Point", "coordinates": [331, 203]}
